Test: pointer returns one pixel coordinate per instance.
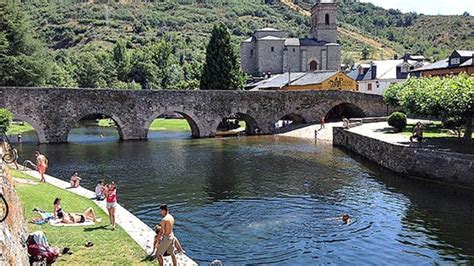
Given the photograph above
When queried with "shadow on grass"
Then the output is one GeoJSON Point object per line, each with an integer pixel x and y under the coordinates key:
{"type": "Point", "coordinates": [90, 229]}
{"type": "Point", "coordinates": [149, 258]}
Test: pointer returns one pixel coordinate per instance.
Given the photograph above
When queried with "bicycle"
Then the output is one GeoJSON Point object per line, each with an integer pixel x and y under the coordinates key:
{"type": "Point", "coordinates": [10, 153]}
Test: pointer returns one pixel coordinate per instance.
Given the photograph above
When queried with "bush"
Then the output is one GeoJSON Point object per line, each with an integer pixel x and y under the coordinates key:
{"type": "Point", "coordinates": [5, 119]}
{"type": "Point", "coordinates": [398, 121]}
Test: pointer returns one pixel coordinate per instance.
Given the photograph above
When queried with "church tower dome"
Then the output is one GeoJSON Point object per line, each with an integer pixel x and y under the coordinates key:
{"type": "Point", "coordinates": [323, 21]}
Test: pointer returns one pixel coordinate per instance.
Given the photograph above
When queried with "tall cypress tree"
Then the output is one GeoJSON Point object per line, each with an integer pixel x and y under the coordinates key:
{"type": "Point", "coordinates": [221, 70]}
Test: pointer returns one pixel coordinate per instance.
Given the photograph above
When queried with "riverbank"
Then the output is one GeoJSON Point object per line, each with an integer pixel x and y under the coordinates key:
{"type": "Point", "coordinates": [134, 252]}
{"type": "Point", "coordinates": [428, 160]}
{"type": "Point", "coordinates": [107, 244]}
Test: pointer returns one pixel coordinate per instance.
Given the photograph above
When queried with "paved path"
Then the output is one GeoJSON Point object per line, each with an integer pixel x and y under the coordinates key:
{"type": "Point", "coordinates": [377, 131]}
{"type": "Point", "coordinates": [139, 231]}
{"type": "Point", "coordinates": [307, 132]}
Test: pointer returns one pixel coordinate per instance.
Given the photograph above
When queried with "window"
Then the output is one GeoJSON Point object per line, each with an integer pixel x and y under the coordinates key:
{"type": "Point", "coordinates": [251, 52]}
{"type": "Point", "coordinates": [294, 50]}
{"type": "Point", "coordinates": [327, 20]}
{"type": "Point", "coordinates": [273, 49]}
{"type": "Point", "coordinates": [313, 65]}
{"type": "Point", "coordinates": [369, 87]}
{"type": "Point", "coordinates": [455, 61]}
{"type": "Point", "coordinates": [404, 69]}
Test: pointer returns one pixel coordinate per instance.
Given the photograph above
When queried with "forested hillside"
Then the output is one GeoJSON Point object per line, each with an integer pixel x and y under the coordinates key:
{"type": "Point", "coordinates": [161, 44]}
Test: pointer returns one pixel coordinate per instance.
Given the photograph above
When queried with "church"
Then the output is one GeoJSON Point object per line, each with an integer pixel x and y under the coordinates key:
{"type": "Point", "coordinates": [269, 51]}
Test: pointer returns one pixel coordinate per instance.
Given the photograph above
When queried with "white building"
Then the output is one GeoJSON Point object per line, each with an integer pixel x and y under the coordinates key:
{"type": "Point", "coordinates": [375, 77]}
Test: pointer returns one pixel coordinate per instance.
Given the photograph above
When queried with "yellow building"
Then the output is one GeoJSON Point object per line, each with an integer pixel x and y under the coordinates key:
{"type": "Point", "coordinates": [317, 80]}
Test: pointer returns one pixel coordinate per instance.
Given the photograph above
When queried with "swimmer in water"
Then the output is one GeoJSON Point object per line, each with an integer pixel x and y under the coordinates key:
{"type": "Point", "coordinates": [346, 218]}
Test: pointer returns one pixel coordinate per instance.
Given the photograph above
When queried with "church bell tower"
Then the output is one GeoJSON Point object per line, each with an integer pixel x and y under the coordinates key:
{"type": "Point", "coordinates": [323, 21]}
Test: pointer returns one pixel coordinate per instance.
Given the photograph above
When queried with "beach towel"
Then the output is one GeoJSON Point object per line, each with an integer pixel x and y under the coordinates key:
{"type": "Point", "coordinates": [45, 217]}
{"type": "Point", "coordinates": [59, 222]}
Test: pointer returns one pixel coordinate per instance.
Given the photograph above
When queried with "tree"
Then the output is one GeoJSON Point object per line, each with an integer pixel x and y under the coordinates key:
{"type": "Point", "coordinates": [23, 60]}
{"type": "Point", "coordinates": [365, 53]}
{"type": "Point", "coordinates": [89, 72]}
{"type": "Point", "coordinates": [5, 119]}
{"type": "Point", "coordinates": [122, 60]}
{"type": "Point", "coordinates": [450, 98]}
{"type": "Point", "coordinates": [348, 60]}
{"type": "Point", "coordinates": [221, 69]}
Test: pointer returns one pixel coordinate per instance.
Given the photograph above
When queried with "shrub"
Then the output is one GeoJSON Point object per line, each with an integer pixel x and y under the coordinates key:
{"type": "Point", "coordinates": [398, 121]}
{"type": "Point", "coordinates": [5, 119]}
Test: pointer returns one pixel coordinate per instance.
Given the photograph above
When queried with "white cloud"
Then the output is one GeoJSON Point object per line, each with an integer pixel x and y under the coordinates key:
{"type": "Point", "coordinates": [428, 7]}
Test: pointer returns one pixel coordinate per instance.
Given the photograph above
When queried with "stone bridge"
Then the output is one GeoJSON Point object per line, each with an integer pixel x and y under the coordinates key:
{"type": "Point", "coordinates": [53, 112]}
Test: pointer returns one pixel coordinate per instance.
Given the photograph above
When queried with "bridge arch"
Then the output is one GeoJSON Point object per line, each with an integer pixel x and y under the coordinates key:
{"type": "Point", "coordinates": [193, 121]}
{"type": "Point", "coordinates": [251, 124]}
{"type": "Point", "coordinates": [119, 124]}
{"type": "Point", "coordinates": [289, 121]}
{"type": "Point", "coordinates": [344, 109]}
{"type": "Point", "coordinates": [33, 121]}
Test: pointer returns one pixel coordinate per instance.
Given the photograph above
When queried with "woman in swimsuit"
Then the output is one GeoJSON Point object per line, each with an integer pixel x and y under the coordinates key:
{"type": "Point", "coordinates": [58, 211]}
{"type": "Point", "coordinates": [72, 218]}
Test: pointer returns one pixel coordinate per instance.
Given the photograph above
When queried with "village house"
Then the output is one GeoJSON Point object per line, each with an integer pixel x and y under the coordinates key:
{"type": "Point", "coordinates": [268, 51]}
{"type": "Point", "coordinates": [459, 61]}
{"type": "Point", "coordinates": [375, 77]}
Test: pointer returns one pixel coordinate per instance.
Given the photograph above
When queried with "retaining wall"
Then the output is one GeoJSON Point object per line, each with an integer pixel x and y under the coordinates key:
{"type": "Point", "coordinates": [13, 232]}
{"type": "Point", "coordinates": [448, 167]}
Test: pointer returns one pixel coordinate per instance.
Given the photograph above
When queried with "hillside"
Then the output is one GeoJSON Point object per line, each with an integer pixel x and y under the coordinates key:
{"type": "Point", "coordinates": [360, 25]}
{"type": "Point", "coordinates": [162, 43]}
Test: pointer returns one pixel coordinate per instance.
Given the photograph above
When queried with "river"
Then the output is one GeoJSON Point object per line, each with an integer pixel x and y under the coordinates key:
{"type": "Point", "coordinates": [270, 200]}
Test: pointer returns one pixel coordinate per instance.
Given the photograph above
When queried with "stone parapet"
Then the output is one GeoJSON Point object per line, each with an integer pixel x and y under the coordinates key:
{"type": "Point", "coordinates": [447, 167]}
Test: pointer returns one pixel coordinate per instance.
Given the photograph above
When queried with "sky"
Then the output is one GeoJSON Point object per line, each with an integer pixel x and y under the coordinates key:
{"type": "Point", "coordinates": [428, 7]}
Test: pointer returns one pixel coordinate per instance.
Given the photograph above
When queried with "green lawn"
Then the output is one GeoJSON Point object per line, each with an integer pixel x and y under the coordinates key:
{"type": "Point", "coordinates": [433, 130]}
{"type": "Point", "coordinates": [17, 128]}
{"type": "Point", "coordinates": [110, 247]}
{"type": "Point", "coordinates": [170, 124]}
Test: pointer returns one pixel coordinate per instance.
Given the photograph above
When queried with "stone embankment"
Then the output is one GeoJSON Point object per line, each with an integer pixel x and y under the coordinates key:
{"type": "Point", "coordinates": [393, 152]}
{"type": "Point", "coordinates": [13, 232]}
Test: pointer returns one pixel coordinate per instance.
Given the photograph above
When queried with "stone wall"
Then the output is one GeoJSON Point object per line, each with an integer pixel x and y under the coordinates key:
{"type": "Point", "coordinates": [13, 232]}
{"type": "Point", "coordinates": [446, 167]}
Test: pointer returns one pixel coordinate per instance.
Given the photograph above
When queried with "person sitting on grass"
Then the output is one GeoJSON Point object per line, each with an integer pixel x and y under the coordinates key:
{"type": "Point", "coordinates": [417, 133]}
{"type": "Point", "coordinates": [99, 190]}
{"type": "Point", "coordinates": [177, 245]}
{"type": "Point", "coordinates": [73, 218]}
{"type": "Point", "coordinates": [75, 180]}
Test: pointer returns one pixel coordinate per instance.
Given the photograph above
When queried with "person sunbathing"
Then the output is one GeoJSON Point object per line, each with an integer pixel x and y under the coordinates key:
{"type": "Point", "coordinates": [78, 218]}
{"type": "Point", "coordinates": [73, 218]}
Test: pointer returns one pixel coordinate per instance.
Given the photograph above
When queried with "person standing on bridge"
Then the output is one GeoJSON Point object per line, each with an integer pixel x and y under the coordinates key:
{"type": "Point", "coordinates": [41, 165]}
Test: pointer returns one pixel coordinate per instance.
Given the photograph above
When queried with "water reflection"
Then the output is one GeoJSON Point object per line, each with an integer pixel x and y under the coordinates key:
{"type": "Point", "coordinates": [267, 200]}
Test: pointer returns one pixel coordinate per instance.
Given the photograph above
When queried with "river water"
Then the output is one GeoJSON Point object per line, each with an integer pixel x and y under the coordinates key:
{"type": "Point", "coordinates": [270, 200]}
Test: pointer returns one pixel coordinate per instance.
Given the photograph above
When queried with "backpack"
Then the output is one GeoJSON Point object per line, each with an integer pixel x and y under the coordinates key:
{"type": "Point", "coordinates": [40, 252]}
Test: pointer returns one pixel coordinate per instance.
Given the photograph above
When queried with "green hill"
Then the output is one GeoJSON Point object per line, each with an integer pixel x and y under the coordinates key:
{"type": "Point", "coordinates": [80, 36]}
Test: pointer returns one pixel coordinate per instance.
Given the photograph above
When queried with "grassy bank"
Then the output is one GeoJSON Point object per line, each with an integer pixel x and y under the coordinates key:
{"type": "Point", "coordinates": [110, 247]}
{"type": "Point", "coordinates": [19, 128]}
{"type": "Point", "coordinates": [157, 124]}
{"type": "Point", "coordinates": [433, 130]}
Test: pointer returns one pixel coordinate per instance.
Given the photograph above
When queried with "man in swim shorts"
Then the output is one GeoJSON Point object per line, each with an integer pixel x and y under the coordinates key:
{"type": "Point", "coordinates": [166, 239]}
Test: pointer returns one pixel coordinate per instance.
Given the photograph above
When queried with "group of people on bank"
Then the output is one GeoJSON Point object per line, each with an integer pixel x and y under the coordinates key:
{"type": "Point", "coordinates": [165, 243]}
